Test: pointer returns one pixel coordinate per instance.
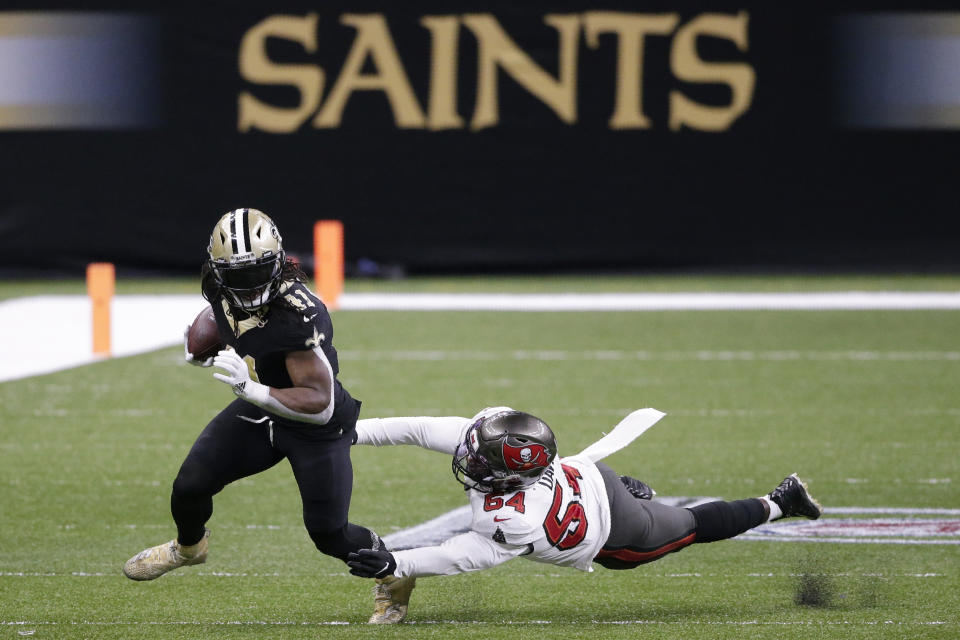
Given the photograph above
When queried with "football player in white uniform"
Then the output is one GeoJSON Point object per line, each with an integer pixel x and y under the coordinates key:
{"type": "Point", "coordinates": [527, 501]}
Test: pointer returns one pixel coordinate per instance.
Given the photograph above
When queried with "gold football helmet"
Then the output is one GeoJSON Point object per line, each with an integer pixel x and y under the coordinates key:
{"type": "Point", "coordinates": [246, 258]}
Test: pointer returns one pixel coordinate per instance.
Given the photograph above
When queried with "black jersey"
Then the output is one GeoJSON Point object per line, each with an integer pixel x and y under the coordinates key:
{"type": "Point", "coordinates": [296, 321]}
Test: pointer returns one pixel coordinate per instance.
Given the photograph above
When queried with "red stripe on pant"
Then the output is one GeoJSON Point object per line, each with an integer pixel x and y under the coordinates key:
{"type": "Point", "coordinates": [641, 557]}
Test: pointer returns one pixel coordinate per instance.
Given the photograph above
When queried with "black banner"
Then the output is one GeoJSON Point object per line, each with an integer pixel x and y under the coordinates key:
{"type": "Point", "coordinates": [466, 136]}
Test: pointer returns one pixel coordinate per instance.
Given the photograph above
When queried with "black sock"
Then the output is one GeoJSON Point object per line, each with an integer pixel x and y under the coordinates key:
{"type": "Point", "coordinates": [722, 520]}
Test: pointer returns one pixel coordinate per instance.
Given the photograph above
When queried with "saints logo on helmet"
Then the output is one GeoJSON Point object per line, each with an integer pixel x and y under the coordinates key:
{"type": "Point", "coordinates": [246, 258]}
{"type": "Point", "coordinates": [504, 451]}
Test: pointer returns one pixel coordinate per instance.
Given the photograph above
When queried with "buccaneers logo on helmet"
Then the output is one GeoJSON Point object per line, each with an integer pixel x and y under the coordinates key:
{"type": "Point", "coordinates": [526, 457]}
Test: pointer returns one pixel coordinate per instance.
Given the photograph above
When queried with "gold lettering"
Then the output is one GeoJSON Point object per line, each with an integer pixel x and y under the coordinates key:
{"type": "Point", "coordinates": [442, 110]}
{"type": "Point", "coordinates": [687, 65]}
{"type": "Point", "coordinates": [256, 67]}
{"type": "Point", "coordinates": [497, 49]}
{"type": "Point", "coordinates": [373, 39]}
{"type": "Point", "coordinates": [631, 29]}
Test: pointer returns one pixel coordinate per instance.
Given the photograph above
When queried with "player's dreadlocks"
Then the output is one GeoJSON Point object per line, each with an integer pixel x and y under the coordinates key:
{"type": "Point", "coordinates": [292, 271]}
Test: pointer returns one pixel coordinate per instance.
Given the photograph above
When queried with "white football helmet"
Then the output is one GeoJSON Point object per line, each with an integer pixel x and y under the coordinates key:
{"type": "Point", "coordinates": [246, 258]}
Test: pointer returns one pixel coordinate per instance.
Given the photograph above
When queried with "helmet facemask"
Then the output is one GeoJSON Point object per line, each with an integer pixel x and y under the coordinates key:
{"type": "Point", "coordinates": [474, 472]}
{"type": "Point", "coordinates": [250, 285]}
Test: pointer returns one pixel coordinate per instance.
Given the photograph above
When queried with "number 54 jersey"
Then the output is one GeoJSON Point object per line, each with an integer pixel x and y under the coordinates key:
{"type": "Point", "coordinates": [563, 519]}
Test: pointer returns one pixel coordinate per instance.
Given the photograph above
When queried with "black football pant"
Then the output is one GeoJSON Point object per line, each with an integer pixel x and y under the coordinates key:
{"type": "Point", "coordinates": [243, 440]}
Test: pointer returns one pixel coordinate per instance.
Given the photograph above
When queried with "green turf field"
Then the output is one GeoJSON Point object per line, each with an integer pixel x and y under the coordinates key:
{"type": "Point", "coordinates": [863, 404]}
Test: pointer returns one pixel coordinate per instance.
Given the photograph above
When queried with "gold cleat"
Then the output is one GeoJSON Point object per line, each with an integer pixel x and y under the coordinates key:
{"type": "Point", "coordinates": [154, 562]}
{"type": "Point", "coordinates": [391, 596]}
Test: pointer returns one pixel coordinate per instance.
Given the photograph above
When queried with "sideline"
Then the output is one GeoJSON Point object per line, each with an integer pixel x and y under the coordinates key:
{"type": "Point", "coordinates": [42, 334]}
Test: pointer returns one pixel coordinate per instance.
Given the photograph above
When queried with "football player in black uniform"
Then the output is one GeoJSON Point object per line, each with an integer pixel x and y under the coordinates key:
{"type": "Point", "coordinates": [281, 363]}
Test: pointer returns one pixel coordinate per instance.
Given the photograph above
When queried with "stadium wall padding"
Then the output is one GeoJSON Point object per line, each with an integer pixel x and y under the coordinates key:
{"type": "Point", "coordinates": [470, 136]}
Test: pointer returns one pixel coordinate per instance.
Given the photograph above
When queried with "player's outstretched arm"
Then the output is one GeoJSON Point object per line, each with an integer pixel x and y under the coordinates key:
{"type": "Point", "coordinates": [466, 552]}
{"type": "Point", "coordinates": [436, 434]}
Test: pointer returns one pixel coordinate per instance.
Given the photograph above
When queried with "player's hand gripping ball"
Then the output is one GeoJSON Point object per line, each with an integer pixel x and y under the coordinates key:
{"type": "Point", "coordinates": [201, 340]}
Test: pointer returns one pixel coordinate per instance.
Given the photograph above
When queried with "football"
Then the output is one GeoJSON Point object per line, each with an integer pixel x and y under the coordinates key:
{"type": "Point", "coordinates": [203, 339]}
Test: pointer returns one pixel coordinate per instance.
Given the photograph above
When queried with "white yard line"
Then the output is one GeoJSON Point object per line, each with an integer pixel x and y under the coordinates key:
{"type": "Point", "coordinates": [905, 511]}
{"type": "Point", "coordinates": [439, 355]}
{"type": "Point", "coordinates": [841, 300]}
{"type": "Point", "coordinates": [26, 624]}
{"type": "Point", "coordinates": [42, 334]}
{"type": "Point", "coordinates": [839, 540]}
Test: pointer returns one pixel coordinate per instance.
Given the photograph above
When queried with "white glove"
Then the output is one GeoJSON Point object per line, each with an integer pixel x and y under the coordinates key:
{"type": "Point", "coordinates": [238, 377]}
{"type": "Point", "coordinates": [189, 356]}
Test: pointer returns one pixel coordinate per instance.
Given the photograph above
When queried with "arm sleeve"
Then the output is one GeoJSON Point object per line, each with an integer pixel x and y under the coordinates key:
{"type": "Point", "coordinates": [436, 434]}
{"type": "Point", "coordinates": [466, 552]}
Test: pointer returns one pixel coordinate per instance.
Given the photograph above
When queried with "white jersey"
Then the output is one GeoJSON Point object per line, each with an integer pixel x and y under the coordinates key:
{"type": "Point", "coordinates": [562, 519]}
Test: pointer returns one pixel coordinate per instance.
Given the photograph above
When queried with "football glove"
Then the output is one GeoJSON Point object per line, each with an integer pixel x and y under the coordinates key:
{"type": "Point", "coordinates": [189, 356]}
{"type": "Point", "coordinates": [238, 377]}
{"type": "Point", "coordinates": [368, 563]}
{"type": "Point", "coordinates": [637, 488]}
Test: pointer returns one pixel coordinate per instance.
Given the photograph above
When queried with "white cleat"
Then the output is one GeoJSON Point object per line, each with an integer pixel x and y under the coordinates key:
{"type": "Point", "coordinates": [390, 599]}
{"type": "Point", "coordinates": [154, 562]}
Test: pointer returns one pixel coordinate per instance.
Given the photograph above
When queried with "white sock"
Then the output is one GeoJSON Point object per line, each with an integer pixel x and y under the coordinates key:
{"type": "Point", "coordinates": [775, 511]}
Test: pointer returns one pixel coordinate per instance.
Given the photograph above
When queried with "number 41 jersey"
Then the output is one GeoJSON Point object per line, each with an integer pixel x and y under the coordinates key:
{"type": "Point", "coordinates": [564, 519]}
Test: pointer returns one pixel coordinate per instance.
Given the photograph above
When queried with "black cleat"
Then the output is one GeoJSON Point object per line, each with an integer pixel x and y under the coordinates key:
{"type": "Point", "coordinates": [794, 499]}
{"type": "Point", "coordinates": [638, 489]}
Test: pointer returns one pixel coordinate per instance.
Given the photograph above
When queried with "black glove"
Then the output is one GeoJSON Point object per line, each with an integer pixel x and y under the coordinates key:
{"type": "Point", "coordinates": [637, 488]}
{"type": "Point", "coordinates": [368, 563]}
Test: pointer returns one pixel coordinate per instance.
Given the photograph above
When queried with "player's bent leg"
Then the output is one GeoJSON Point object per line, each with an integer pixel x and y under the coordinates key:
{"type": "Point", "coordinates": [344, 540]}
{"type": "Point", "coordinates": [191, 501]}
{"type": "Point", "coordinates": [230, 447]}
{"type": "Point", "coordinates": [154, 562]}
{"type": "Point", "coordinates": [391, 595]}
{"type": "Point", "coordinates": [234, 445]}
{"type": "Point", "coordinates": [325, 477]}
{"type": "Point", "coordinates": [391, 598]}
{"type": "Point", "coordinates": [641, 531]}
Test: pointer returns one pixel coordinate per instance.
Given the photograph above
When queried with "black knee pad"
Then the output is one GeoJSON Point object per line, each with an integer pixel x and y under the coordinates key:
{"type": "Point", "coordinates": [722, 520]}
